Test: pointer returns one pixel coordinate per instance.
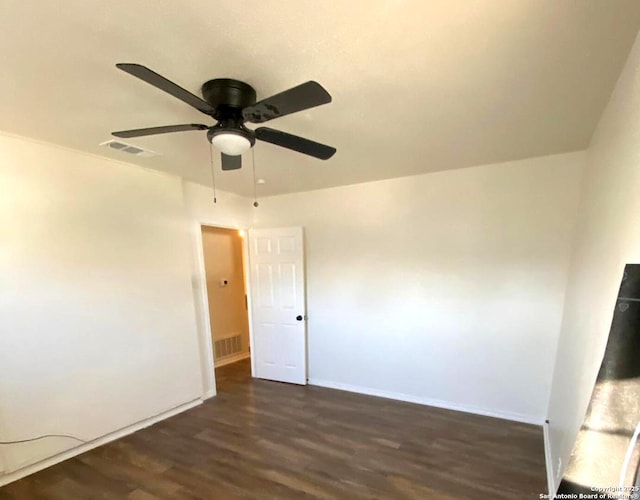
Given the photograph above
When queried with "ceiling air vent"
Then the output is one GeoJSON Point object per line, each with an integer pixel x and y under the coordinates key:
{"type": "Point", "coordinates": [129, 148]}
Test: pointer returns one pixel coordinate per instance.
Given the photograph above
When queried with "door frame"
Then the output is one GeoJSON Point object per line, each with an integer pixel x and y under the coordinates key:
{"type": "Point", "coordinates": [202, 305]}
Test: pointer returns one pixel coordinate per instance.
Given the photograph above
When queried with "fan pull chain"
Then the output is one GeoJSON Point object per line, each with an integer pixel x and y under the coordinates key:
{"type": "Point", "coordinates": [213, 173]}
{"type": "Point", "coordinates": [255, 194]}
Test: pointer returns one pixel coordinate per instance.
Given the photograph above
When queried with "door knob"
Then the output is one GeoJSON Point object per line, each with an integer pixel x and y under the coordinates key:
{"type": "Point", "coordinates": [299, 318]}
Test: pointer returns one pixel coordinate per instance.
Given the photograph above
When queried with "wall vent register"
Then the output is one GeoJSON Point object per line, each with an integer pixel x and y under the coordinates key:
{"type": "Point", "coordinates": [129, 148]}
{"type": "Point", "coordinates": [226, 347]}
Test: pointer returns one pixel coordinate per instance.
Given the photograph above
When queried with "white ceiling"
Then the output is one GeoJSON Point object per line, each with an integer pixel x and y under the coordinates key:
{"type": "Point", "coordinates": [417, 86]}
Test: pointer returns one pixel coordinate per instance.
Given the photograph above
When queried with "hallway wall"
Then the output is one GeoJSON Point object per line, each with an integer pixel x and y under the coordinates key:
{"type": "Point", "coordinates": [232, 211]}
{"type": "Point", "coordinates": [227, 306]}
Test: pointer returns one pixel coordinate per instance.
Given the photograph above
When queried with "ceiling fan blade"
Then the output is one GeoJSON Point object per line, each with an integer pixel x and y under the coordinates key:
{"type": "Point", "coordinates": [231, 162]}
{"type": "Point", "coordinates": [304, 96]}
{"type": "Point", "coordinates": [299, 144]}
{"type": "Point", "coordinates": [160, 82]}
{"type": "Point", "coordinates": [159, 130]}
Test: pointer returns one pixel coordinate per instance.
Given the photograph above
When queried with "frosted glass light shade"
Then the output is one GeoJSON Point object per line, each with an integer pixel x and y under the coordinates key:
{"type": "Point", "coordinates": [231, 144]}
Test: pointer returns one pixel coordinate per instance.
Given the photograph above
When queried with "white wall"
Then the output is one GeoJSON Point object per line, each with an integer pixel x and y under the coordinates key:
{"type": "Point", "coordinates": [231, 211]}
{"type": "Point", "coordinates": [97, 327]}
{"type": "Point", "coordinates": [444, 288]}
{"type": "Point", "coordinates": [608, 237]}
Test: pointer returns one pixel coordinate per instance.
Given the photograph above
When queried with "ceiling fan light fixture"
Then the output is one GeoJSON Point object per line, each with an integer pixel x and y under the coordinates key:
{"type": "Point", "coordinates": [230, 143]}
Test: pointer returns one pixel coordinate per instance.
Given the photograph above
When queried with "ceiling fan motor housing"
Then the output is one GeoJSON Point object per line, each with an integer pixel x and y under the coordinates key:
{"type": "Point", "coordinates": [229, 97]}
{"type": "Point", "coordinates": [225, 93]}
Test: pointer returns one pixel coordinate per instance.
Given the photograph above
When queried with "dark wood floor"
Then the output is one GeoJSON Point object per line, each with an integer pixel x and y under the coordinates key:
{"type": "Point", "coordinates": [260, 439]}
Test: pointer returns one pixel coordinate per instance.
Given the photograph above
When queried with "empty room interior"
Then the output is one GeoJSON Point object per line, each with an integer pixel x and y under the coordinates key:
{"type": "Point", "coordinates": [293, 249]}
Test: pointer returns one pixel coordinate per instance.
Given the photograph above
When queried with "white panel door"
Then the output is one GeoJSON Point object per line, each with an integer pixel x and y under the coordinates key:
{"type": "Point", "coordinates": [278, 304]}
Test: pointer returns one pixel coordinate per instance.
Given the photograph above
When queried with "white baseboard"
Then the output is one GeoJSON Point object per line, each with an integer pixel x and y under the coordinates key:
{"type": "Point", "coordinates": [516, 417]}
{"type": "Point", "coordinates": [209, 394]}
{"type": "Point", "coordinates": [60, 457]}
{"type": "Point", "coordinates": [548, 460]}
{"type": "Point", "coordinates": [232, 359]}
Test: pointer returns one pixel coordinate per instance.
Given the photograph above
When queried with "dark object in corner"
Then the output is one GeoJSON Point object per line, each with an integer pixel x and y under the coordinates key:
{"type": "Point", "coordinates": [604, 447]}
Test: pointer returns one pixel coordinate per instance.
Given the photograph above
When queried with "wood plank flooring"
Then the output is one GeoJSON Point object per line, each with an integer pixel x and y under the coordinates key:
{"type": "Point", "coordinates": [260, 439]}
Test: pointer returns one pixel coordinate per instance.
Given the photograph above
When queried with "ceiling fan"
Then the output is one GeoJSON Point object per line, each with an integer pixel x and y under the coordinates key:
{"type": "Point", "coordinates": [232, 103]}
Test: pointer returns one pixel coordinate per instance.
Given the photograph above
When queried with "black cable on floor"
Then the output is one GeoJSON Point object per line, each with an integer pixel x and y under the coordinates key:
{"type": "Point", "coordinates": [43, 437]}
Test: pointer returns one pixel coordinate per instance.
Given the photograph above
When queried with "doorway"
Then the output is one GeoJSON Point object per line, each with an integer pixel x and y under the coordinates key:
{"type": "Point", "coordinates": [223, 252]}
